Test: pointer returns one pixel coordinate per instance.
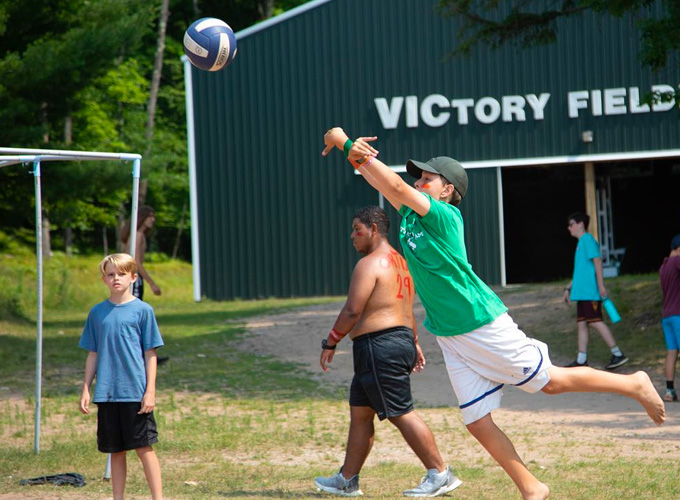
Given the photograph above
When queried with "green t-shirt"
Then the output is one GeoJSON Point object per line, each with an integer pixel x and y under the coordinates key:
{"type": "Point", "coordinates": [455, 299]}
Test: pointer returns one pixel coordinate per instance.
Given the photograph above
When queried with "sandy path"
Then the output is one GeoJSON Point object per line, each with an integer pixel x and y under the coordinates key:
{"type": "Point", "coordinates": [593, 419]}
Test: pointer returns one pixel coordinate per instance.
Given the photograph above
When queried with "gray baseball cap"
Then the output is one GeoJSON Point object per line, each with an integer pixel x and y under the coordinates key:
{"type": "Point", "coordinates": [451, 169]}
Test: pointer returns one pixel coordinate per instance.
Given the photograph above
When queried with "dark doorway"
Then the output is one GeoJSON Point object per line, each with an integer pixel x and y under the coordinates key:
{"type": "Point", "coordinates": [645, 204]}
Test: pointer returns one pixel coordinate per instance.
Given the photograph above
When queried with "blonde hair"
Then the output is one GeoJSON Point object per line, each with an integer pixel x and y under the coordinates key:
{"type": "Point", "coordinates": [122, 262]}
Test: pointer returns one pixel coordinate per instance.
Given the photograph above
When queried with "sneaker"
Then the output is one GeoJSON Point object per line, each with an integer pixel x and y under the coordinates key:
{"type": "Point", "coordinates": [338, 485]}
{"type": "Point", "coordinates": [670, 395]}
{"type": "Point", "coordinates": [576, 363]}
{"type": "Point", "coordinates": [435, 484]}
{"type": "Point", "coordinates": [617, 361]}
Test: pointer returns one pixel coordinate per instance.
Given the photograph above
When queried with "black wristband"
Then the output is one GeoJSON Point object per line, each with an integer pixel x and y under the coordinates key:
{"type": "Point", "coordinates": [324, 345]}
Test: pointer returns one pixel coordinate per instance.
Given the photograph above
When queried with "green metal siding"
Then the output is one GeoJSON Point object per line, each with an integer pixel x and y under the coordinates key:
{"type": "Point", "coordinates": [275, 216]}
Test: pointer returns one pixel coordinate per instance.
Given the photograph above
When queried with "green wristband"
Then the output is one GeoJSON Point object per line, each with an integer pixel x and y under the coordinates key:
{"type": "Point", "coordinates": [347, 147]}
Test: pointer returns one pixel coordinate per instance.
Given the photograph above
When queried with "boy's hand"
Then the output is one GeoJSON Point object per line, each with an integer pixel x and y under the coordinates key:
{"type": "Point", "coordinates": [361, 149]}
{"type": "Point", "coordinates": [148, 403]}
{"type": "Point", "coordinates": [326, 358]}
{"type": "Point", "coordinates": [334, 138]}
{"type": "Point", "coordinates": [85, 401]}
{"type": "Point", "coordinates": [420, 360]}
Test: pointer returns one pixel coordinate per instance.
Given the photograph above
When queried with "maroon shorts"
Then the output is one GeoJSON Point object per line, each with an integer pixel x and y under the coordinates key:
{"type": "Point", "coordinates": [589, 311]}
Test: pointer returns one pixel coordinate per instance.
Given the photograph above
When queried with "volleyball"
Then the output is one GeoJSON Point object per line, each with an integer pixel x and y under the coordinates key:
{"type": "Point", "coordinates": [210, 44]}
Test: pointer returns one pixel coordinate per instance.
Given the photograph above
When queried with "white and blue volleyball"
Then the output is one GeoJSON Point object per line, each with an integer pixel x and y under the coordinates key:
{"type": "Point", "coordinates": [210, 44]}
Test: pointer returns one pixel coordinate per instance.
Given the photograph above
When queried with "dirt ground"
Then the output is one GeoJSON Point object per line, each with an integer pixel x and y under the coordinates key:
{"type": "Point", "coordinates": [565, 426]}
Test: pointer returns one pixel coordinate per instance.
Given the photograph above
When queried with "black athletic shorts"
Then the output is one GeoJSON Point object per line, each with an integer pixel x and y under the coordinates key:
{"type": "Point", "coordinates": [383, 362]}
{"type": "Point", "coordinates": [138, 288]}
{"type": "Point", "coordinates": [589, 311]}
{"type": "Point", "coordinates": [120, 428]}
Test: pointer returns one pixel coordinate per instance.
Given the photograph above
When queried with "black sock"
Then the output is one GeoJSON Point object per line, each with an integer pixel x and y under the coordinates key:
{"type": "Point", "coordinates": [669, 384]}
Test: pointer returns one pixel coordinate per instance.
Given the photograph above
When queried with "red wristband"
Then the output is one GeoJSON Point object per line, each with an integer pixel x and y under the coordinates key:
{"type": "Point", "coordinates": [336, 336]}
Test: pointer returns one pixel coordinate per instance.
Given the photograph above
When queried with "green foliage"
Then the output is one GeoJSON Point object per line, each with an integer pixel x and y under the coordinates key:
{"type": "Point", "coordinates": [89, 63]}
{"type": "Point", "coordinates": [529, 23]}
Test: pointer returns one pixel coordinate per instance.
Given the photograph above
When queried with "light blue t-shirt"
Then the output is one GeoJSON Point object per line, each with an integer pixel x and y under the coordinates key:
{"type": "Point", "coordinates": [119, 334]}
{"type": "Point", "coordinates": [584, 285]}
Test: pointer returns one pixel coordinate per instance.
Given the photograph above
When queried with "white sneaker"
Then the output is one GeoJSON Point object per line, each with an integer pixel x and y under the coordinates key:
{"type": "Point", "coordinates": [338, 485]}
{"type": "Point", "coordinates": [435, 484]}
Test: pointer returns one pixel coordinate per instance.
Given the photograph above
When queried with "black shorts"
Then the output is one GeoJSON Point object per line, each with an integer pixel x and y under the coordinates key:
{"type": "Point", "coordinates": [138, 288]}
{"type": "Point", "coordinates": [120, 428]}
{"type": "Point", "coordinates": [589, 311]}
{"type": "Point", "coordinates": [383, 362]}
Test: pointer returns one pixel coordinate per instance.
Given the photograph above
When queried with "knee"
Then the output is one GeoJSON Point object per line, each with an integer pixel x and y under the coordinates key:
{"type": "Point", "coordinates": [552, 388]}
{"type": "Point", "coordinates": [143, 450]}
{"type": "Point", "coordinates": [480, 426]}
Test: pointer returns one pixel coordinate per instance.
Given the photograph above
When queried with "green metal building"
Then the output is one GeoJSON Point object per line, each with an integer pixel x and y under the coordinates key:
{"type": "Point", "coordinates": [543, 132]}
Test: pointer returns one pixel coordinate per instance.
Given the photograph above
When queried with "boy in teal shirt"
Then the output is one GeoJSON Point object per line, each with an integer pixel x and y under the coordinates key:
{"type": "Point", "coordinates": [482, 347]}
{"type": "Point", "coordinates": [587, 290]}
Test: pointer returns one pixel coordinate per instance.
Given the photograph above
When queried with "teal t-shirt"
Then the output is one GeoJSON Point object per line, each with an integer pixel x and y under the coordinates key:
{"type": "Point", "coordinates": [584, 284]}
{"type": "Point", "coordinates": [455, 299]}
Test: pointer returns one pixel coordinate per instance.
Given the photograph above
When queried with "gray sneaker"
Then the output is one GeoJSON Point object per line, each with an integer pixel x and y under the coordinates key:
{"type": "Point", "coordinates": [338, 485]}
{"type": "Point", "coordinates": [435, 484]}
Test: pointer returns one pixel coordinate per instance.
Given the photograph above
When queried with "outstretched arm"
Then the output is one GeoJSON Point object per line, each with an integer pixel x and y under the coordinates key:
{"type": "Point", "coordinates": [364, 157]}
{"type": "Point", "coordinates": [361, 287]}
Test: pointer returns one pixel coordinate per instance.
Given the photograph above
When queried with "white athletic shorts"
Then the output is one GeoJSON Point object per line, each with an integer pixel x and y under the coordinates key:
{"type": "Point", "coordinates": [482, 361]}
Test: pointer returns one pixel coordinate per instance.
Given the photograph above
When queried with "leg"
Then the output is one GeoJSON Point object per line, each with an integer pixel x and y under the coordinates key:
{"type": "Point", "coordinates": [420, 438]}
{"type": "Point", "coordinates": [152, 471]}
{"type": "Point", "coordinates": [583, 336]}
{"type": "Point", "coordinates": [671, 359]}
{"type": "Point", "coordinates": [502, 450]}
{"type": "Point", "coordinates": [118, 474]}
{"type": "Point", "coordinates": [637, 386]}
{"type": "Point", "coordinates": [605, 333]}
{"type": "Point", "coordinates": [359, 441]}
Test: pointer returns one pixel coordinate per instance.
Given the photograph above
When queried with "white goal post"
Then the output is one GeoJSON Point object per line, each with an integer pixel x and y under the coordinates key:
{"type": "Point", "coordinates": [13, 156]}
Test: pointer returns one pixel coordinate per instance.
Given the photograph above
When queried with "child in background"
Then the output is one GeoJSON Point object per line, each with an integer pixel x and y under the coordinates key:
{"type": "Point", "coordinates": [670, 322]}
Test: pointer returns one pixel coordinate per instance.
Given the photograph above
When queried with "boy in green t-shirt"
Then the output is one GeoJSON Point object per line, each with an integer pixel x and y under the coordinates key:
{"type": "Point", "coordinates": [483, 348]}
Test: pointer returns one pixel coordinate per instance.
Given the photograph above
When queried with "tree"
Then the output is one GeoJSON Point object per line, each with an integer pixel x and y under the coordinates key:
{"type": "Point", "coordinates": [533, 22]}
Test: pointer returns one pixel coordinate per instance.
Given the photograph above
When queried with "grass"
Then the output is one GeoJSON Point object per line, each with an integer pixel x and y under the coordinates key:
{"type": "Point", "coordinates": [238, 425]}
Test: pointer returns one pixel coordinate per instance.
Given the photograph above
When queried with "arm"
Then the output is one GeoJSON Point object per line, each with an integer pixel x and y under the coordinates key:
{"type": "Point", "coordinates": [361, 287]}
{"type": "Point", "coordinates": [600, 277]}
{"type": "Point", "coordinates": [90, 371]}
{"type": "Point", "coordinates": [567, 292]}
{"type": "Point", "coordinates": [420, 357]}
{"type": "Point", "coordinates": [140, 251]}
{"type": "Point", "coordinates": [380, 176]}
{"type": "Point", "coordinates": [149, 399]}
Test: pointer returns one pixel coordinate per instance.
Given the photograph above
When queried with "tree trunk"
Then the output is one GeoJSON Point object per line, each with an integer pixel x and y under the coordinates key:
{"type": "Point", "coordinates": [157, 70]}
{"type": "Point", "coordinates": [68, 239]}
{"type": "Point", "coordinates": [46, 242]}
{"type": "Point", "coordinates": [143, 186]}
{"type": "Point", "coordinates": [105, 240]}
{"type": "Point", "coordinates": [265, 8]}
{"type": "Point", "coordinates": [68, 130]}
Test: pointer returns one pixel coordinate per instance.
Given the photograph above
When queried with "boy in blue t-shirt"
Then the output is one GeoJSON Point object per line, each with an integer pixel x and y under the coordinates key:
{"type": "Point", "coordinates": [587, 290]}
{"type": "Point", "coordinates": [121, 335]}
